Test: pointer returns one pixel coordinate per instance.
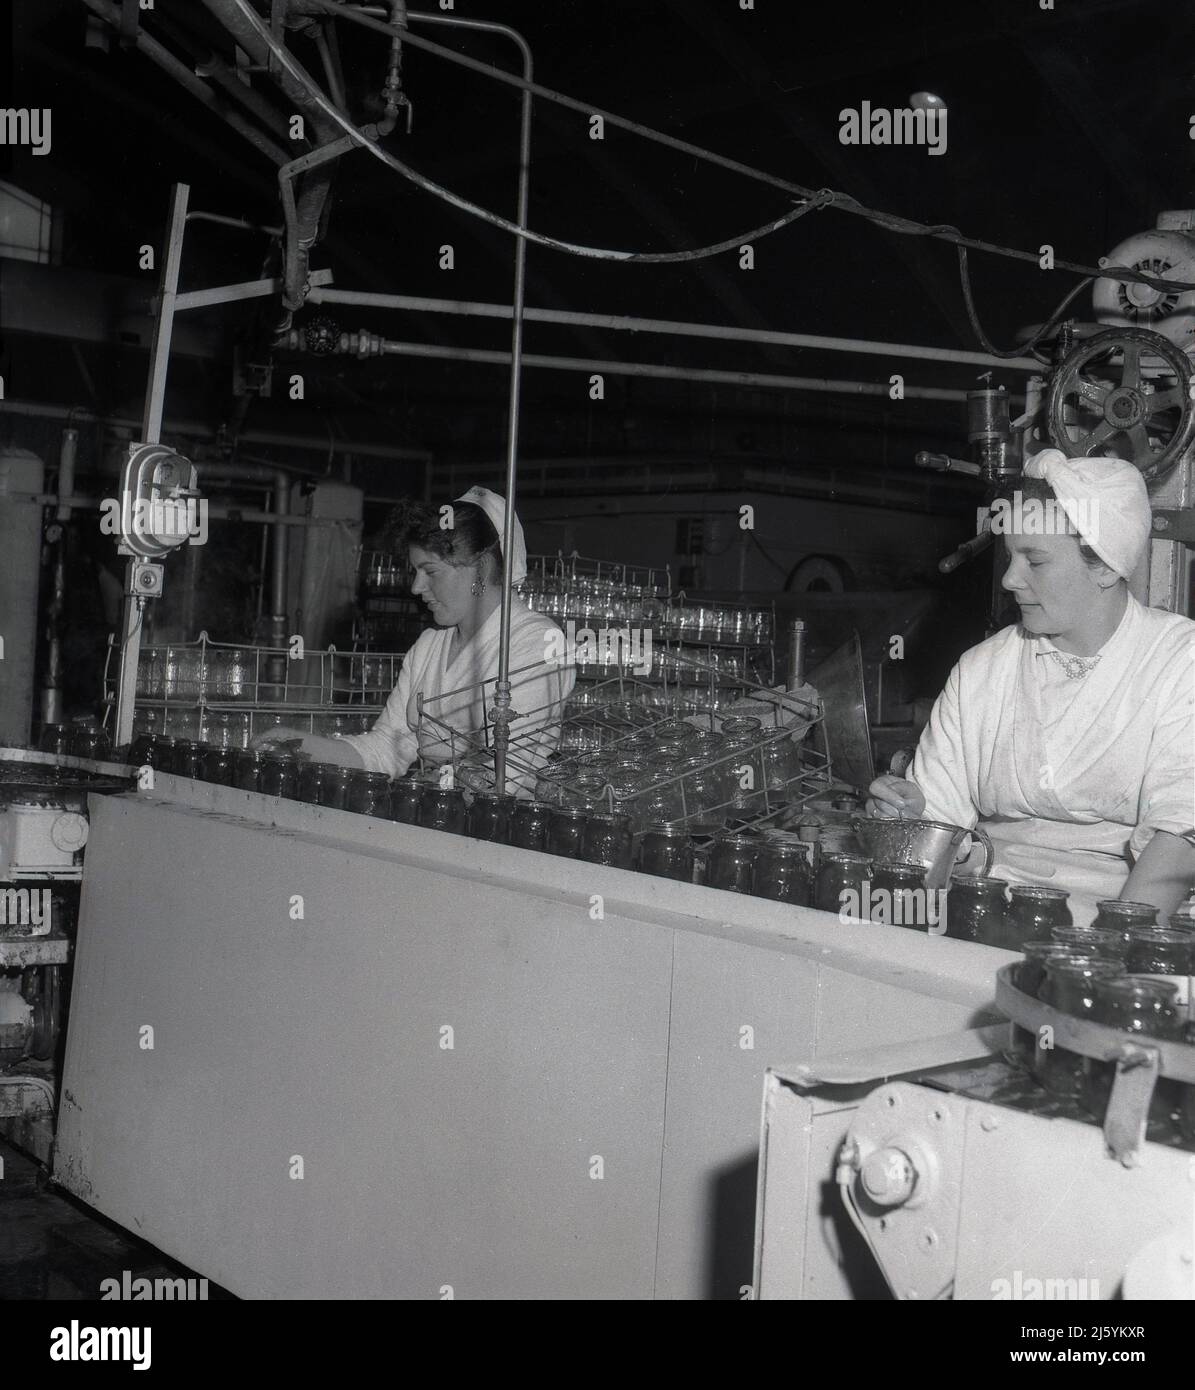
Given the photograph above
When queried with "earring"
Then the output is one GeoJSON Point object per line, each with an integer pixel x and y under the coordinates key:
{"type": "Point", "coordinates": [477, 587]}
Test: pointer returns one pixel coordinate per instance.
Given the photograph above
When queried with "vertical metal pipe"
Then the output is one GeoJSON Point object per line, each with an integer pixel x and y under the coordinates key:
{"type": "Point", "coordinates": [155, 395]}
{"type": "Point", "coordinates": [278, 557]}
{"type": "Point", "coordinates": [502, 690]}
{"type": "Point", "coordinates": [51, 696]}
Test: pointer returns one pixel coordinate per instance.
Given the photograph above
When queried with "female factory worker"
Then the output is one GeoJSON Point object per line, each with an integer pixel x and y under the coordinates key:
{"type": "Point", "coordinates": [458, 574]}
{"type": "Point", "coordinates": [1070, 735]}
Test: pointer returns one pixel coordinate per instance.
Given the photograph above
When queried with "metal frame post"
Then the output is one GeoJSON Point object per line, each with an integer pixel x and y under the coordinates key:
{"type": "Point", "coordinates": [151, 428]}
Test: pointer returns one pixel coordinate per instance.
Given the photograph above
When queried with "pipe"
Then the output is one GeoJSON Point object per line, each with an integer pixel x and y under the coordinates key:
{"type": "Point", "coordinates": [278, 554]}
{"type": "Point", "coordinates": [302, 213]}
{"type": "Point", "coordinates": [198, 430]}
{"type": "Point", "coordinates": [38, 1083]}
{"type": "Point", "coordinates": [665, 373]}
{"type": "Point", "coordinates": [239, 222]}
{"type": "Point", "coordinates": [183, 75]}
{"type": "Point", "coordinates": [670, 327]}
{"type": "Point", "coordinates": [51, 694]}
{"type": "Point", "coordinates": [227, 80]}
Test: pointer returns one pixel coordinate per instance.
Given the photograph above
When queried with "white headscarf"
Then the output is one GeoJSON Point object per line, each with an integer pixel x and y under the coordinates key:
{"type": "Point", "coordinates": [1105, 500]}
{"type": "Point", "coordinates": [495, 508]}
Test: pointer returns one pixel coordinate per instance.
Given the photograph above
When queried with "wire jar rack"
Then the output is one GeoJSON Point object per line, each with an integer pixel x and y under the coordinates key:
{"type": "Point", "coordinates": [226, 693]}
{"type": "Point", "coordinates": [631, 747]}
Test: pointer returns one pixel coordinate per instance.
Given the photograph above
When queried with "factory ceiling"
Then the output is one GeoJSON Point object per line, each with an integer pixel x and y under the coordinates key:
{"type": "Point", "coordinates": [1068, 126]}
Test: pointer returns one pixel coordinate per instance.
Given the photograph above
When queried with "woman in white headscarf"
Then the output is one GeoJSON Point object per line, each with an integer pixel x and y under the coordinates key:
{"type": "Point", "coordinates": [454, 665]}
{"type": "Point", "coordinates": [1070, 736]}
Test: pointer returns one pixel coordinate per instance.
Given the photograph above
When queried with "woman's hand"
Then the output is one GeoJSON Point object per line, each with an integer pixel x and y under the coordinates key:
{"type": "Point", "coordinates": [313, 746]}
{"type": "Point", "coordinates": [279, 734]}
{"type": "Point", "coordinates": [890, 797]}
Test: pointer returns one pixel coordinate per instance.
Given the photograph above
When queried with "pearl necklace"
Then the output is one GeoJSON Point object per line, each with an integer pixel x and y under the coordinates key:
{"type": "Point", "coordinates": [1076, 667]}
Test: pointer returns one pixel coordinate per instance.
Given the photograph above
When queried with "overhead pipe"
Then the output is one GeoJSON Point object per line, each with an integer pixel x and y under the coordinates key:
{"type": "Point", "coordinates": [376, 346]}
{"type": "Point", "coordinates": [679, 328]}
{"type": "Point", "coordinates": [198, 430]}
{"type": "Point", "coordinates": [164, 59]}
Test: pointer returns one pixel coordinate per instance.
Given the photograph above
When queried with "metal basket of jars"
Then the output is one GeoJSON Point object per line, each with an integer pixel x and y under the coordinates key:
{"type": "Point", "coordinates": [213, 692]}
{"type": "Point", "coordinates": [1102, 1024]}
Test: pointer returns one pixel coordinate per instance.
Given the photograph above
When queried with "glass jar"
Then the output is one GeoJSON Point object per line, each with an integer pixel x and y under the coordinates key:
{"type": "Point", "coordinates": [702, 791]}
{"type": "Point", "coordinates": [489, 817]}
{"type": "Point", "coordinates": [1139, 1008]}
{"type": "Point", "coordinates": [1091, 941]}
{"type": "Point", "coordinates": [336, 787]}
{"type": "Point", "coordinates": [217, 765]}
{"type": "Point", "coordinates": [1069, 987]}
{"type": "Point", "coordinates": [185, 759]}
{"type": "Point", "coordinates": [369, 794]}
{"type": "Point", "coordinates": [144, 751]}
{"type": "Point", "coordinates": [405, 797]}
{"type": "Point", "coordinates": [312, 777]}
{"type": "Point", "coordinates": [279, 776]}
{"type": "Point", "coordinates": [743, 776]}
{"type": "Point", "coordinates": [976, 908]}
{"type": "Point", "coordinates": [529, 825]}
{"type": "Point", "coordinates": [1029, 977]}
{"type": "Point", "coordinates": [56, 739]}
{"type": "Point", "coordinates": [246, 769]}
{"type": "Point", "coordinates": [782, 873]}
{"type": "Point", "coordinates": [1123, 917]}
{"type": "Point", "coordinates": [732, 863]}
{"type": "Point", "coordinates": [566, 831]}
{"type": "Point", "coordinates": [1160, 951]}
{"type": "Point", "coordinates": [898, 896]}
{"type": "Point", "coordinates": [742, 726]}
{"type": "Point", "coordinates": [838, 876]}
{"type": "Point", "coordinates": [607, 840]}
{"type": "Point", "coordinates": [443, 808]}
{"type": "Point", "coordinates": [1034, 912]}
{"type": "Point", "coordinates": [667, 852]}
{"type": "Point", "coordinates": [88, 741]}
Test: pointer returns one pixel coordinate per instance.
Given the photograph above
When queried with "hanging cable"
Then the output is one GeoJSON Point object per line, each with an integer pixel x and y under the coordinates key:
{"type": "Point", "coordinates": [842, 201]}
{"type": "Point", "coordinates": [1043, 332]}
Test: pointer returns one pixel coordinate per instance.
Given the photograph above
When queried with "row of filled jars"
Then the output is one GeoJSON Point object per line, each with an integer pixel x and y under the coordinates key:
{"type": "Point", "coordinates": [1135, 979]}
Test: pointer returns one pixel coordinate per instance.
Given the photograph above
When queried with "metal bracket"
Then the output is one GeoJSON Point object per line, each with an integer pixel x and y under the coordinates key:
{"type": "Point", "coordinates": [1128, 1105]}
{"type": "Point", "coordinates": [1174, 524]}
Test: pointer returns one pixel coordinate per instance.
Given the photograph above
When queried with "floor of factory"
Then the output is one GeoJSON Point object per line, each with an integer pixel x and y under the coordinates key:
{"type": "Point", "coordinates": [53, 1247]}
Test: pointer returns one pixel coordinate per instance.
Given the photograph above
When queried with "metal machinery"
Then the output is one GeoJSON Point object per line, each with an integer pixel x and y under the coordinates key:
{"type": "Point", "coordinates": [1120, 386]}
{"type": "Point", "coordinates": [43, 831]}
{"type": "Point", "coordinates": [937, 1170]}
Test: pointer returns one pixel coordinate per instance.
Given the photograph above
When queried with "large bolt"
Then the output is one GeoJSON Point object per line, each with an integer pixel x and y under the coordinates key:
{"type": "Point", "coordinates": [888, 1177]}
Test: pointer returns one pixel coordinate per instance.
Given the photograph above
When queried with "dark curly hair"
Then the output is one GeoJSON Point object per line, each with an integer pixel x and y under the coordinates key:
{"type": "Point", "coordinates": [1038, 490]}
{"type": "Point", "coordinates": [468, 541]}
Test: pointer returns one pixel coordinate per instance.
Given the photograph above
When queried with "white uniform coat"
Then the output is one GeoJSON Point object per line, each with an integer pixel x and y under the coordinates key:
{"type": "Point", "coordinates": [538, 694]}
{"type": "Point", "coordinates": [1070, 778]}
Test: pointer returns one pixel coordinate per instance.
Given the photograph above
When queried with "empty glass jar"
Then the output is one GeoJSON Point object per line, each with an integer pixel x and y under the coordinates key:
{"type": "Point", "coordinates": [667, 852]}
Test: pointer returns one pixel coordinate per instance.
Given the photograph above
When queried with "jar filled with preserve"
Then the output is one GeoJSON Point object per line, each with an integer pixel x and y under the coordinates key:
{"type": "Point", "coordinates": [145, 750]}
{"type": "Point", "coordinates": [489, 817]}
{"type": "Point", "coordinates": [1034, 912]}
{"type": "Point", "coordinates": [667, 852]}
{"type": "Point", "coordinates": [217, 765]}
{"type": "Point", "coordinates": [898, 897]}
{"type": "Point", "coordinates": [246, 769]}
{"type": "Point", "coordinates": [336, 787]}
{"type": "Point", "coordinates": [782, 873]}
{"type": "Point", "coordinates": [312, 777]}
{"type": "Point", "coordinates": [1092, 942]}
{"type": "Point", "coordinates": [607, 840]}
{"type": "Point", "coordinates": [279, 776]}
{"type": "Point", "coordinates": [56, 739]}
{"type": "Point", "coordinates": [405, 797]}
{"type": "Point", "coordinates": [839, 883]}
{"type": "Point", "coordinates": [1069, 987]}
{"type": "Point", "coordinates": [1124, 917]}
{"type": "Point", "coordinates": [1139, 1008]}
{"type": "Point", "coordinates": [566, 831]}
{"type": "Point", "coordinates": [732, 863]}
{"type": "Point", "coordinates": [443, 808]}
{"type": "Point", "coordinates": [1160, 951]}
{"type": "Point", "coordinates": [369, 794]}
{"type": "Point", "coordinates": [529, 825]}
{"type": "Point", "coordinates": [976, 908]}
{"type": "Point", "coordinates": [185, 759]}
